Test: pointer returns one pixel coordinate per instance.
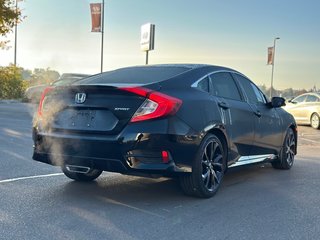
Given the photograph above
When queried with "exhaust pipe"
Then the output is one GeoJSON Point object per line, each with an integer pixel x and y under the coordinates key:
{"type": "Point", "coordinates": [77, 169]}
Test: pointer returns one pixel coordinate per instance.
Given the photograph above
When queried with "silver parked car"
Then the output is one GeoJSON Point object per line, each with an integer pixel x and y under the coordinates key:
{"type": "Point", "coordinates": [33, 94]}
{"type": "Point", "coordinates": [306, 109]}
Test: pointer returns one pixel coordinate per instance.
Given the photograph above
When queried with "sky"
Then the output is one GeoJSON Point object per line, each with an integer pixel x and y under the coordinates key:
{"type": "Point", "coordinates": [57, 35]}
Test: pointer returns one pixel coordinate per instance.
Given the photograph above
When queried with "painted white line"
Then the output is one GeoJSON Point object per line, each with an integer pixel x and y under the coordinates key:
{"type": "Point", "coordinates": [13, 119]}
{"type": "Point", "coordinates": [30, 177]}
{"type": "Point", "coordinates": [308, 140]}
{"type": "Point", "coordinates": [308, 135]}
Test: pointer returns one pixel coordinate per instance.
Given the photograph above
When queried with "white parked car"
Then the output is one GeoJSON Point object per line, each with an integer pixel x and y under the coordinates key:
{"type": "Point", "coordinates": [306, 109]}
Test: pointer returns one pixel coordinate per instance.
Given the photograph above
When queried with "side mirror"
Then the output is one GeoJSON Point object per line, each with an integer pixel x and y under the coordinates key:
{"type": "Point", "coordinates": [277, 102]}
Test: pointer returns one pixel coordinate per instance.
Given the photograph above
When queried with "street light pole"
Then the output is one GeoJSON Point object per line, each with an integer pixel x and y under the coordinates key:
{"type": "Point", "coordinates": [273, 55]}
{"type": "Point", "coordinates": [102, 33]}
{"type": "Point", "coordinates": [147, 57]}
{"type": "Point", "coordinates": [15, 37]}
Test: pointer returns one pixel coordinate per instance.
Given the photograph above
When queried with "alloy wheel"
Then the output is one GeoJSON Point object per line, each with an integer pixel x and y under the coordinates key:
{"type": "Point", "coordinates": [212, 165]}
{"type": "Point", "coordinates": [290, 148]}
{"type": "Point", "coordinates": [315, 121]}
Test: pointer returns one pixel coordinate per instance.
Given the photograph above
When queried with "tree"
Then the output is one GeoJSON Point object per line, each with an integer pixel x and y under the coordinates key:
{"type": "Point", "coordinates": [11, 84]}
{"type": "Point", "coordinates": [43, 76]}
{"type": "Point", "coordinates": [9, 16]}
{"type": "Point", "coordinates": [26, 74]}
{"type": "Point", "coordinates": [288, 93]}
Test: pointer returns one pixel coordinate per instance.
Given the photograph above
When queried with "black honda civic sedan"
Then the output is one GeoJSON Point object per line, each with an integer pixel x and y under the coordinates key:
{"type": "Point", "coordinates": [180, 120]}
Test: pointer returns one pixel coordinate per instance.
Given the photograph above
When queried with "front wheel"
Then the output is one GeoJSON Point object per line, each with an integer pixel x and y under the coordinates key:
{"type": "Point", "coordinates": [315, 121]}
{"type": "Point", "coordinates": [287, 153]}
{"type": "Point", "coordinates": [88, 176]}
{"type": "Point", "coordinates": [207, 170]}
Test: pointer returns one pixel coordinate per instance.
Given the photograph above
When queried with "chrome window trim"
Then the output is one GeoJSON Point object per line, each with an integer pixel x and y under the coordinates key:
{"type": "Point", "coordinates": [195, 84]}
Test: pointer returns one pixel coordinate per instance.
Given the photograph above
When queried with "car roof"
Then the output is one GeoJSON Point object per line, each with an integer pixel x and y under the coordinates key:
{"type": "Point", "coordinates": [151, 74]}
{"type": "Point", "coordinates": [308, 93]}
{"type": "Point", "coordinates": [68, 75]}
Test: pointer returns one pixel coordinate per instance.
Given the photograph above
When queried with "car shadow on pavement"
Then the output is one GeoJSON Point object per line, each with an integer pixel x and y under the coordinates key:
{"type": "Point", "coordinates": [139, 189]}
{"type": "Point", "coordinates": [116, 205]}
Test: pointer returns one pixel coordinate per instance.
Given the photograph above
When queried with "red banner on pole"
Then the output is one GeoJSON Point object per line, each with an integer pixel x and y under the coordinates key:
{"type": "Point", "coordinates": [96, 16]}
{"type": "Point", "coordinates": [270, 56]}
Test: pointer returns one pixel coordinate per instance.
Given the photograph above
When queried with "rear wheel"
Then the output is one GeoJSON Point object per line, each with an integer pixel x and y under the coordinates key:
{"type": "Point", "coordinates": [286, 156]}
{"type": "Point", "coordinates": [207, 170]}
{"type": "Point", "coordinates": [315, 121]}
{"type": "Point", "coordinates": [88, 176]}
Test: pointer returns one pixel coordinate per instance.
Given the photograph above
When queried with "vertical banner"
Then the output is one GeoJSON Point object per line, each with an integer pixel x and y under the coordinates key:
{"type": "Point", "coordinates": [95, 17]}
{"type": "Point", "coordinates": [270, 56]}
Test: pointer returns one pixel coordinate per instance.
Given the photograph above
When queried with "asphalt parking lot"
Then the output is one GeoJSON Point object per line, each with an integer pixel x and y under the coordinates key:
{"type": "Point", "coordinates": [255, 202]}
{"type": "Point", "coordinates": [308, 136]}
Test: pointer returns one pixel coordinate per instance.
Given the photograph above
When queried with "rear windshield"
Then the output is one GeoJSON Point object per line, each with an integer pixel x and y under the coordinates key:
{"type": "Point", "coordinates": [66, 81]}
{"type": "Point", "coordinates": [134, 75]}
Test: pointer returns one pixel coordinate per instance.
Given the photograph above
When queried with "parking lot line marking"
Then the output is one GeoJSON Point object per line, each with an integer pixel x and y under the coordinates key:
{"type": "Point", "coordinates": [30, 177]}
{"type": "Point", "coordinates": [12, 119]}
{"type": "Point", "coordinates": [309, 140]}
{"type": "Point", "coordinates": [130, 206]}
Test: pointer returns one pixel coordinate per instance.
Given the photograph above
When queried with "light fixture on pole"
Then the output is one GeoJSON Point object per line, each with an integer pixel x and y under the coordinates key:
{"type": "Point", "coordinates": [271, 61]}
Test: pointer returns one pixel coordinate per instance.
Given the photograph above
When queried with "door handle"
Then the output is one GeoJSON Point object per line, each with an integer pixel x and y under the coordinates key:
{"type": "Point", "coordinates": [223, 105]}
{"type": "Point", "coordinates": [258, 113]}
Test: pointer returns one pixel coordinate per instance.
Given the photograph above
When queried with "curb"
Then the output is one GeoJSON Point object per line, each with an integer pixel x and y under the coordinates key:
{"type": "Point", "coordinates": [9, 101]}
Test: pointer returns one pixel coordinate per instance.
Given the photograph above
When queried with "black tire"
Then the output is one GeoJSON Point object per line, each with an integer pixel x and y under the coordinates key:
{"type": "Point", "coordinates": [82, 177]}
{"type": "Point", "coordinates": [207, 169]}
{"type": "Point", "coordinates": [287, 153]}
{"type": "Point", "coordinates": [315, 121]}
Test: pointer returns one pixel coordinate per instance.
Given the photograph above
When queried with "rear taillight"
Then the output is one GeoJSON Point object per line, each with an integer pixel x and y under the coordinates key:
{"type": "Point", "coordinates": [165, 156]}
{"type": "Point", "coordinates": [156, 104]}
{"type": "Point", "coordinates": [44, 93]}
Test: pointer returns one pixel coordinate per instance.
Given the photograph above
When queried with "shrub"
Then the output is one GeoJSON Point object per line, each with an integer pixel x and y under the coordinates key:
{"type": "Point", "coordinates": [11, 84]}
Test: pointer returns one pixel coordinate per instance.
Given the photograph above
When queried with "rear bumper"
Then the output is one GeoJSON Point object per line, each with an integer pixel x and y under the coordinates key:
{"type": "Point", "coordinates": [112, 165]}
{"type": "Point", "coordinates": [130, 152]}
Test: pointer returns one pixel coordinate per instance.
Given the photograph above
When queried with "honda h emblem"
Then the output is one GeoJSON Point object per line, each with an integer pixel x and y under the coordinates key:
{"type": "Point", "coordinates": [80, 98]}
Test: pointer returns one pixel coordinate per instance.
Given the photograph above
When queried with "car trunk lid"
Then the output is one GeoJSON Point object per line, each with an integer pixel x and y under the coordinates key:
{"type": "Point", "coordinates": [85, 109]}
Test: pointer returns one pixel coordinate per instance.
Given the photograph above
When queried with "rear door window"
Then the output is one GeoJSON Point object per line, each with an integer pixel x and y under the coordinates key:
{"type": "Point", "coordinates": [312, 98]}
{"type": "Point", "coordinates": [223, 85]}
